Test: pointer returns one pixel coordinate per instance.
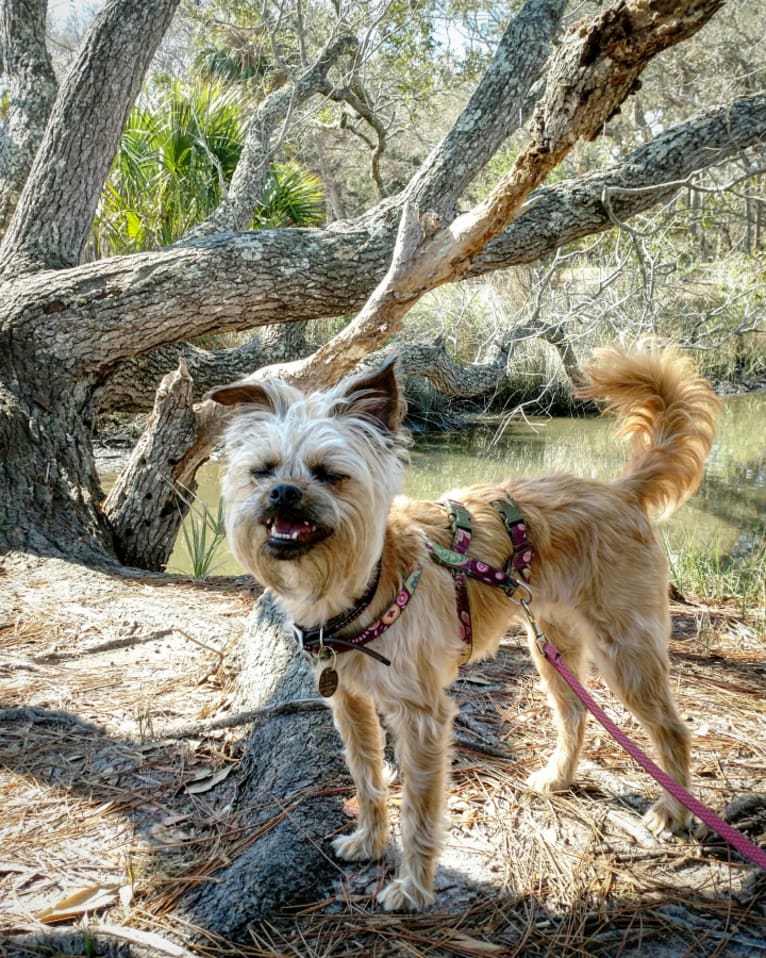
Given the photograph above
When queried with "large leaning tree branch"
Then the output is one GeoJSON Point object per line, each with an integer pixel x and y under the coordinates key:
{"type": "Point", "coordinates": [104, 312]}
{"type": "Point", "coordinates": [646, 178]}
{"type": "Point", "coordinates": [244, 281]}
{"type": "Point", "coordinates": [588, 80]}
{"type": "Point", "coordinates": [556, 215]}
{"type": "Point", "coordinates": [500, 105]}
{"type": "Point", "coordinates": [26, 61]}
{"type": "Point", "coordinates": [56, 208]}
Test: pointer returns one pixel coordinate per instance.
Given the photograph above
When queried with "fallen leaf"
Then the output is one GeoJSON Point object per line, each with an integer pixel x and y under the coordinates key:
{"type": "Point", "coordinates": [82, 901]}
{"type": "Point", "coordinates": [169, 836]}
{"type": "Point", "coordinates": [126, 895]}
{"type": "Point", "coordinates": [475, 945]}
{"type": "Point", "coordinates": [209, 781]}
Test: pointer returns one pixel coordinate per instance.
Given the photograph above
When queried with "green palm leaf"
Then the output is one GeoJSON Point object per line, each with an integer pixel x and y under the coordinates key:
{"type": "Point", "coordinates": [177, 155]}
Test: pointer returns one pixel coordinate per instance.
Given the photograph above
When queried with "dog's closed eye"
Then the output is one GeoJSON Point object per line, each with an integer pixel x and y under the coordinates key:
{"type": "Point", "coordinates": [266, 471]}
{"type": "Point", "coordinates": [326, 476]}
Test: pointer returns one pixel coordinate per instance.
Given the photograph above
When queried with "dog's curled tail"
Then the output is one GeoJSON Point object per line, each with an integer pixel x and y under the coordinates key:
{"type": "Point", "coordinates": [666, 410]}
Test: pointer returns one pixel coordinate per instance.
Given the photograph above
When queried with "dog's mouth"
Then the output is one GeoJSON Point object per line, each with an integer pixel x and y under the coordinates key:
{"type": "Point", "coordinates": [293, 536]}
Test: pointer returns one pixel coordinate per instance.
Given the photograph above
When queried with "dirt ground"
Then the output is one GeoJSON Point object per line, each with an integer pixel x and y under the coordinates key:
{"type": "Point", "coordinates": [113, 806]}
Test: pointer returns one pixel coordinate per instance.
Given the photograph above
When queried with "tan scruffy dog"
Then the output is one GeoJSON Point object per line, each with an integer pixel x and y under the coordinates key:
{"type": "Point", "coordinates": [312, 511]}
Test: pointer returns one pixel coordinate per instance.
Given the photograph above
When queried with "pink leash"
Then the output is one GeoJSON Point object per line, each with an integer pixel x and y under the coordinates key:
{"type": "Point", "coordinates": [735, 838]}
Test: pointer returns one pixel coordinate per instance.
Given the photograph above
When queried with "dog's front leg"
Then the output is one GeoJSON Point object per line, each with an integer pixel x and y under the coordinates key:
{"type": "Point", "coordinates": [423, 734]}
{"type": "Point", "coordinates": [359, 727]}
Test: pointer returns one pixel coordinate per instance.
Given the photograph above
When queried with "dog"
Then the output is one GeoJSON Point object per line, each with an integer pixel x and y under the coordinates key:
{"type": "Point", "coordinates": [312, 505]}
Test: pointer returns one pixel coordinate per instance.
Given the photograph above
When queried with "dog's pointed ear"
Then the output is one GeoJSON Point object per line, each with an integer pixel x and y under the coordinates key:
{"type": "Point", "coordinates": [376, 396]}
{"type": "Point", "coordinates": [251, 393]}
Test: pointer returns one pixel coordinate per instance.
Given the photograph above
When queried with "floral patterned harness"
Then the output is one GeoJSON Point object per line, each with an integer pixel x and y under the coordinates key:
{"type": "Point", "coordinates": [461, 565]}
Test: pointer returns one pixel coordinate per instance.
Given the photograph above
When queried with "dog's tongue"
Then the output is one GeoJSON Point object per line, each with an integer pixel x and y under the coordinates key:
{"type": "Point", "coordinates": [290, 529]}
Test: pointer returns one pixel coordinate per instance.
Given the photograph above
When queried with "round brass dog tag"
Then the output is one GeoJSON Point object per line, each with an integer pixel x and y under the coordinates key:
{"type": "Point", "coordinates": [328, 682]}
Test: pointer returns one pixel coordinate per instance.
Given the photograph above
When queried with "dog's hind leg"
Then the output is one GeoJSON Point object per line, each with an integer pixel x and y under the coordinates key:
{"type": "Point", "coordinates": [568, 711]}
{"type": "Point", "coordinates": [423, 735]}
{"type": "Point", "coordinates": [359, 727]}
{"type": "Point", "coordinates": [637, 673]}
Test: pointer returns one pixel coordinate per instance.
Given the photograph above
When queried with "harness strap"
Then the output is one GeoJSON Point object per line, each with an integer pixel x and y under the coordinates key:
{"type": "Point", "coordinates": [460, 520]}
{"type": "Point", "coordinates": [516, 528]}
{"type": "Point", "coordinates": [462, 565]}
{"type": "Point", "coordinates": [317, 639]}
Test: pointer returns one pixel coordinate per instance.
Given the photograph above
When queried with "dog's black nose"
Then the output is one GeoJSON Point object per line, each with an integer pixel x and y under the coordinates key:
{"type": "Point", "coordinates": [285, 495]}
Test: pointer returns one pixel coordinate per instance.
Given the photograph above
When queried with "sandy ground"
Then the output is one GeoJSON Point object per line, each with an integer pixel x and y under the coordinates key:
{"type": "Point", "coordinates": [107, 819]}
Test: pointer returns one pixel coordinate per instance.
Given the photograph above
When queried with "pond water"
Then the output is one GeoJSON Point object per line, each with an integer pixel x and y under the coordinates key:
{"type": "Point", "coordinates": [726, 517]}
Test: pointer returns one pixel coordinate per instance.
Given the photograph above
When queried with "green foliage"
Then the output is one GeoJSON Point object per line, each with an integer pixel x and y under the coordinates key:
{"type": "Point", "coordinates": [720, 577]}
{"type": "Point", "coordinates": [290, 197]}
{"type": "Point", "coordinates": [177, 153]}
{"type": "Point", "coordinates": [176, 158]}
{"type": "Point", "coordinates": [238, 64]}
{"type": "Point", "coordinates": [204, 534]}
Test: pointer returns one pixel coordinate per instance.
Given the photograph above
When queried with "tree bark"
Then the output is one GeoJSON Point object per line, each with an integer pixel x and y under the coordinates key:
{"type": "Point", "coordinates": [153, 493]}
{"type": "Point", "coordinates": [133, 385]}
{"type": "Point", "coordinates": [50, 488]}
{"type": "Point", "coordinates": [295, 804]}
{"type": "Point", "coordinates": [33, 86]}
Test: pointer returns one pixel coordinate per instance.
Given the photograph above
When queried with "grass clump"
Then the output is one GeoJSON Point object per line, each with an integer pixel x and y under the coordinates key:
{"type": "Point", "coordinates": [204, 534]}
{"type": "Point", "coordinates": [721, 577]}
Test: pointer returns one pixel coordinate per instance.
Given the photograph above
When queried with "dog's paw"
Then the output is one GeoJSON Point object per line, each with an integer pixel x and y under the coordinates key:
{"type": "Point", "coordinates": [405, 894]}
{"type": "Point", "coordinates": [360, 846]}
{"type": "Point", "coordinates": [547, 780]}
{"type": "Point", "coordinates": [667, 815]}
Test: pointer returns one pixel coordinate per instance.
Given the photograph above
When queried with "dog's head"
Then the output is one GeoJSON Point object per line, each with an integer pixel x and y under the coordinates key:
{"type": "Point", "coordinates": [310, 479]}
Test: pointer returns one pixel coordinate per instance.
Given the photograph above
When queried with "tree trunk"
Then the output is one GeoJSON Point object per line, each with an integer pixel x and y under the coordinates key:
{"type": "Point", "coordinates": [50, 502]}
{"type": "Point", "coordinates": [149, 501]}
{"type": "Point", "coordinates": [56, 208]}
{"type": "Point", "coordinates": [292, 786]}
{"type": "Point", "coordinates": [26, 60]}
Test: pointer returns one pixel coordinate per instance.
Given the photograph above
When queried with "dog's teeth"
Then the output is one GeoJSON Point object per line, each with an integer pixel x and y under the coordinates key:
{"type": "Point", "coordinates": [292, 535]}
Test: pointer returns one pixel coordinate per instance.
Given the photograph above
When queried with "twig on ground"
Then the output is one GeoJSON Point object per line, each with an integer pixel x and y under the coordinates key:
{"type": "Point", "coordinates": [194, 729]}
